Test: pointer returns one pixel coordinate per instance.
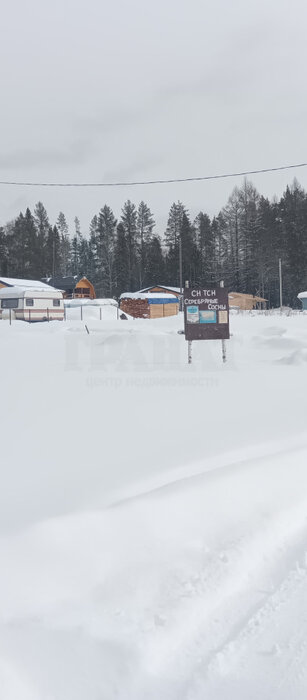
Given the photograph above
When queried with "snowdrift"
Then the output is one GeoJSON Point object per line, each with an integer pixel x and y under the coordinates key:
{"type": "Point", "coordinates": [153, 514]}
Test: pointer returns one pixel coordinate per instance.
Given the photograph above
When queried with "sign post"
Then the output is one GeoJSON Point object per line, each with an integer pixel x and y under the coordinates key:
{"type": "Point", "coordinates": [206, 316]}
{"type": "Point", "coordinates": [223, 339]}
{"type": "Point", "coordinates": [280, 285]}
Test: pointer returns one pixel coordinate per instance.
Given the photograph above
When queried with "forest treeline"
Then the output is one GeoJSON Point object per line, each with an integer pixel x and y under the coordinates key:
{"type": "Point", "coordinates": [242, 246]}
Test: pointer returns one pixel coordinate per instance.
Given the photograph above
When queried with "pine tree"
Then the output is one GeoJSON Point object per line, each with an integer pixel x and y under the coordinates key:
{"type": "Point", "coordinates": [145, 226]}
{"type": "Point", "coordinates": [154, 263]}
{"type": "Point", "coordinates": [53, 252]}
{"type": "Point", "coordinates": [129, 223]}
{"type": "Point", "coordinates": [75, 247]}
{"type": "Point", "coordinates": [65, 254]}
{"type": "Point", "coordinates": [62, 224]}
{"type": "Point", "coordinates": [189, 250]}
{"type": "Point", "coordinates": [77, 226]}
{"type": "Point", "coordinates": [93, 270]}
{"type": "Point", "coordinates": [75, 258]}
{"type": "Point", "coordinates": [65, 245]}
{"type": "Point", "coordinates": [265, 252]}
{"type": "Point", "coordinates": [219, 270]}
{"type": "Point", "coordinates": [172, 242]}
{"type": "Point", "coordinates": [249, 225]}
{"type": "Point", "coordinates": [41, 219]}
{"type": "Point", "coordinates": [42, 227]}
{"type": "Point", "coordinates": [105, 246]}
{"type": "Point", "coordinates": [24, 246]}
{"type": "Point", "coordinates": [3, 253]}
{"type": "Point", "coordinates": [121, 253]}
{"type": "Point", "coordinates": [182, 249]}
{"type": "Point", "coordinates": [293, 218]}
{"type": "Point", "coordinates": [229, 220]}
{"type": "Point", "coordinates": [205, 241]}
{"type": "Point", "coordinates": [174, 223]}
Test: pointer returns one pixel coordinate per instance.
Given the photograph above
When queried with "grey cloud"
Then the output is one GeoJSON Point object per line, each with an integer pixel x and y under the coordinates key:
{"type": "Point", "coordinates": [116, 119]}
{"type": "Point", "coordinates": [77, 153]}
{"type": "Point", "coordinates": [132, 171]}
{"type": "Point", "coordinates": [232, 66]}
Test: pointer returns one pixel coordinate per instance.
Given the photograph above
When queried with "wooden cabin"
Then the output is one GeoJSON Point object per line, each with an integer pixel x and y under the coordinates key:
{"type": "Point", "coordinates": [246, 302]}
{"type": "Point", "coordinates": [84, 289]}
{"type": "Point", "coordinates": [148, 304]}
{"type": "Point", "coordinates": [73, 287]}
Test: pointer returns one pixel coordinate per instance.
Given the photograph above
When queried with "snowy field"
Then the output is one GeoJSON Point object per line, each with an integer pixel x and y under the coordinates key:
{"type": "Point", "coordinates": [153, 540]}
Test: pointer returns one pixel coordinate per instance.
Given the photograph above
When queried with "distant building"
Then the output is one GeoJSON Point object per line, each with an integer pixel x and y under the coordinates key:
{"type": "Point", "coordinates": [302, 296]}
{"type": "Point", "coordinates": [73, 287]}
{"type": "Point", "coordinates": [160, 288]}
{"type": "Point", "coordinates": [65, 284]}
{"type": "Point", "coordinates": [149, 304]}
{"type": "Point", "coordinates": [246, 302]}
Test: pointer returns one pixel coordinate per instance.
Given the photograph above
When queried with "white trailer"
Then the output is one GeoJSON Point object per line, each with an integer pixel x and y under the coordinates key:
{"type": "Point", "coordinates": [26, 304]}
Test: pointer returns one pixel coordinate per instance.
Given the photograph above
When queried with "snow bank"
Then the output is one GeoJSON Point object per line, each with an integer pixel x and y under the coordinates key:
{"type": "Point", "coordinates": [90, 302]}
{"type": "Point", "coordinates": [152, 513]}
{"type": "Point", "coordinates": [92, 309]}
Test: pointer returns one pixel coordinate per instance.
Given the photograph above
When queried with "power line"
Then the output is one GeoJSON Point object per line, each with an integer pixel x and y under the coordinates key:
{"type": "Point", "coordinates": [152, 182]}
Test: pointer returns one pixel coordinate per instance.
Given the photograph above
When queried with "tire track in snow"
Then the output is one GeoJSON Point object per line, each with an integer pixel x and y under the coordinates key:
{"type": "Point", "coordinates": [248, 646]}
{"type": "Point", "coordinates": [223, 594]}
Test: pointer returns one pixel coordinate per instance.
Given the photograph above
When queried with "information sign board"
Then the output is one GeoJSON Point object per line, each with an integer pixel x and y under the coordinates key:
{"type": "Point", "coordinates": [206, 314]}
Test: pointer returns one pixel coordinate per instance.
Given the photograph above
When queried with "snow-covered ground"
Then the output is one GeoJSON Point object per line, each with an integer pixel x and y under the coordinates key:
{"type": "Point", "coordinates": [153, 515]}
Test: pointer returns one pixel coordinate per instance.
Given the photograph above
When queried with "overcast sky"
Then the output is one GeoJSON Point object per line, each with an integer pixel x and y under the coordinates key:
{"type": "Point", "coordinates": [97, 90]}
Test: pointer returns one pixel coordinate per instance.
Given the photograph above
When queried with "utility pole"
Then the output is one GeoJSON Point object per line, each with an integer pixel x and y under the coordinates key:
{"type": "Point", "coordinates": [280, 285]}
{"type": "Point", "coordinates": [53, 255]}
{"type": "Point", "coordinates": [223, 341]}
{"type": "Point", "coordinates": [180, 271]}
{"type": "Point", "coordinates": [187, 284]}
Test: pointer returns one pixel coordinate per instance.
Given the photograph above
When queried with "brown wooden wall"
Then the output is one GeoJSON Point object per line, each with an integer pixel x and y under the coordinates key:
{"type": "Point", "coordinates": [161, 310]}
{"type": "Point", "coordinates": [171, 309]}
{"type": "Point", "coordinates": [156, 310]}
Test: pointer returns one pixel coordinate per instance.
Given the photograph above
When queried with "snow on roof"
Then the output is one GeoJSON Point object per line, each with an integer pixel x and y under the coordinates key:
{"type": "Point", "coordinates": [19, 291]}
{"type": "Point", "coordinates": [147, 295]}
{"type": "Point", "coordinates": [14, 282]}
{"type": "Point", "coordinates": [302, 295]}
{"type": "Point", "coordinates": [162, 286]}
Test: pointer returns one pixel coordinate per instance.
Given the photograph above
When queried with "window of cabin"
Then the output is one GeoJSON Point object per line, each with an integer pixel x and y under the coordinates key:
{"type": "Point", "coordinates": [82, 291]}
{"type": "Point", "coordinates": [56, 302]}
{"type": "Point", "coordinates": [9, 303]}
{"type": "Point", "coordinates": [29, 302]}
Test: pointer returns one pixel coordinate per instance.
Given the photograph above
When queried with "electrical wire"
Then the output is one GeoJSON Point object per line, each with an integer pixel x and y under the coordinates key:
{"type": "Point", "coordinates": [152, 182]}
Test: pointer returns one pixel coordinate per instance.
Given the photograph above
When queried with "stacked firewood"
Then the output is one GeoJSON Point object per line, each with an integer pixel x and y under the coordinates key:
{"type": "Point", "coordinates": [138, 308]}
